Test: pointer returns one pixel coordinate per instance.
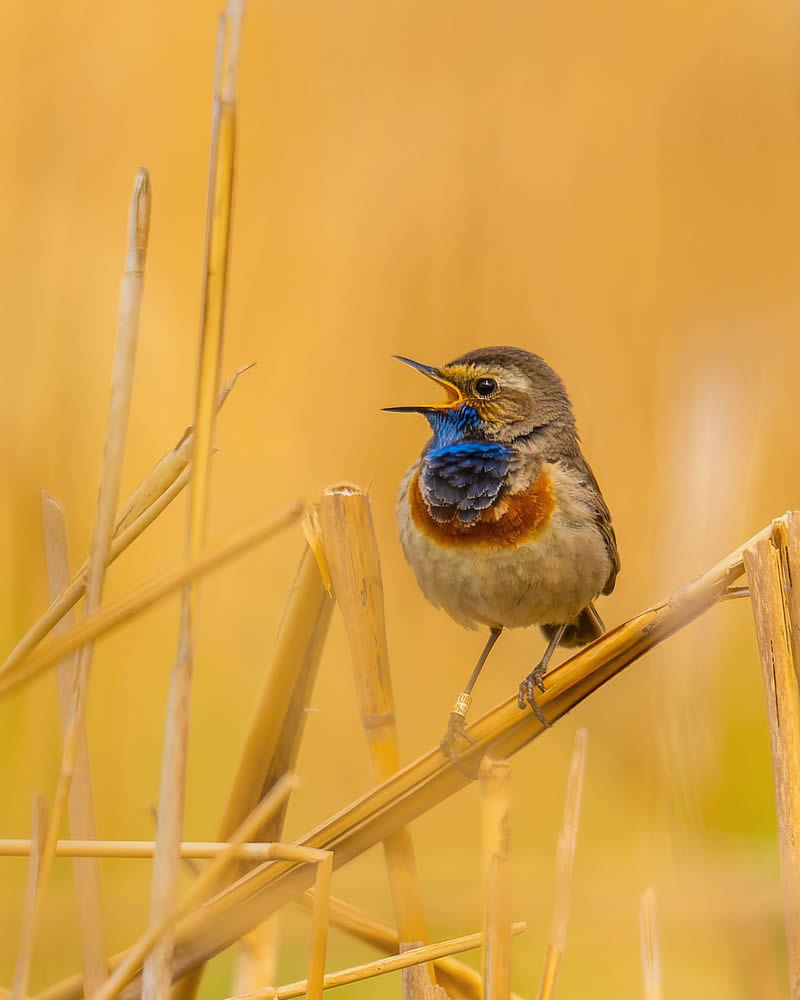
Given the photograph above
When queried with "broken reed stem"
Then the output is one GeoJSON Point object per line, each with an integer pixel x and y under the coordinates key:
{"type": "Point", "coordinates": [651, 959]}
{"type": "Point", "coordinates": [116, 612]}
{"type": "Point", "coordinates": [432, 778]}
{"type": "Point", "coordinates": [27, 927]}
{"type": "Point", "coordinates": [772, 563]}
{"type": "Point", "coordinates": [198, 892]}
{"type": "Point", "coordinates": [319, 929]}
{"type": "Point", "coordinates": [116, 430]}
{"type": "Point", "coordinates": [358, 973]}
{"type": "Point", "coordinates": [166, 864]}
{"type": "Point", "coordinates": [495, 778]}
{"type": "Point", "coordinates": [351, 555]}
{"type": "Point", "coordinates": [80, 802]}
{"type": "Point", "coordinates": [273, 738]}
{"type": "Point", "coordinates": [153, 495]}
{"type": "Point", "coordinates": [565, 863]}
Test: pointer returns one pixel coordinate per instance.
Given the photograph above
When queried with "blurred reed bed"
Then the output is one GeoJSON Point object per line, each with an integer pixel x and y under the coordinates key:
{"type": "Point", "coordinates": [251, 875]}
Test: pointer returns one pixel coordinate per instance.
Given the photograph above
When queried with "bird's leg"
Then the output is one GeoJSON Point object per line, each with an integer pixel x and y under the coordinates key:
{"type": "Point", "coordinates": [527, 689]}
{"type": "Point", "coordinates": [456, 731]}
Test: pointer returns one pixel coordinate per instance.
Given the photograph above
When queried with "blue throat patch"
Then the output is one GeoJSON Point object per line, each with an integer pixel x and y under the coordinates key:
{"type": "Point", "coordinates": [461, 478]}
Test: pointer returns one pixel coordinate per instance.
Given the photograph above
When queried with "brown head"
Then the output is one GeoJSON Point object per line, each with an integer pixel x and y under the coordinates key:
{"type": "Point", "coordinates": [512, 392]}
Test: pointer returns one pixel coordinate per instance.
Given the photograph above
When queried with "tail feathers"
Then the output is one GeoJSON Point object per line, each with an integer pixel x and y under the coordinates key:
{"type": "Point", "coordinates": [586, 627]}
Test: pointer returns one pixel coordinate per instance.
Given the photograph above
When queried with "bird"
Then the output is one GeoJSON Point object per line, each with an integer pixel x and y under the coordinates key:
{"type": "Point", "coordinates": [501, 518]}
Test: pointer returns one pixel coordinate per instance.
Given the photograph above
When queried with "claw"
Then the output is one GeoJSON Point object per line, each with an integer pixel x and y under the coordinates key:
{"type": "Point", "coordinates": [456, 734]}
{"type": "Point", "coordinates": [527, 694]}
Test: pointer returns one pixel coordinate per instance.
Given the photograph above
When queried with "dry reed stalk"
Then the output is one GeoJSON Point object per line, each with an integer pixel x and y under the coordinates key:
{"type": "Point", "coordinates": [132, 849]}
{"type": "Point", "coordinates": [457, 978]}
{"type": "Point", "coordinates": [198, 892]}
{"type": "Point", "coordinates": [786, 537]}
{"type": "Point", "coordinates": [319, 929]}
{"type": "Point", "coordinates": [117, 612]}
{"type": "Point", "coordinates": [351, 555]}
{"type": "Point", "coordinates": [257, 958]}
{"type": "Point", "coordinates": [274, 735]}
{"type": "Point", "coordinates": [495, 779]}
{"type": "Point", "coordinates": [565, 863]}
{"type": "Point", "coordinates": [273, 738]}
{"type": "Point", "coordinates": [166, 863]}
{"type": "Point", "coordinates": [651, 960]}
{"type": "Point", "coordinates": [153, 495]}
{"type": "Point", "coordinates": [116, 430]}
{"type": "Point", "coordinates": [432, 778]}
{"type": "Point", "coordinates": [80, 802]}
{"type": "Point", "coordinates": [27, 931]}
{"type": "Point", "coordinates": [358, 973]}
{"type": "Point", "coordinates": [771, 564]}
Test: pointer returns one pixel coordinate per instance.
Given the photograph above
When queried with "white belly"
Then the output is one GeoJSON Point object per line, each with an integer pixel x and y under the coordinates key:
{"type": "Point", "coordinates": [548, 580]}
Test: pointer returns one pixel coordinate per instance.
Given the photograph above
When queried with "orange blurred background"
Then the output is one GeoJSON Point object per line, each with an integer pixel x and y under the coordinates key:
{"type": "Point", "coordinates": [612, 186]}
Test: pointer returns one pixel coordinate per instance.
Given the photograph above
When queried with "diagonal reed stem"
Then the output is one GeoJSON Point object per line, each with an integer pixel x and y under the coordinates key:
{"type": "Point", "coordinates": [117, 612]}
{"type": "Point", "coordinates": [358, 973]}
{"type": "Point", "coordinates": [198, 892]}
{"type": "Point", "coordinates": [151, 497]}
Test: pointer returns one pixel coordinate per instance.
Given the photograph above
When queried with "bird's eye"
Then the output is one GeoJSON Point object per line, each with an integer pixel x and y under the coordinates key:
{"type": "Point", "coordinates": [485, 386]}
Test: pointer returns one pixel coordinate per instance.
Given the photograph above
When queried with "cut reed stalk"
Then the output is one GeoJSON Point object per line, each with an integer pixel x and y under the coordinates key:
{"type": "Point", "coordinates": [27, 926]}
{"type": "Point", "coordinates": [358, 973]}
{"type": "Point", "coordinates": [199, 890]}
{"type": "Point", "coordinates": [771, 564]}
{"type": "Point", "coordinates": [273, 738]}
{"type": "Point", "coordinates": [651, 959]}
{"type": "Point", "coordinates": [495, 778]}
{"type": "Point", "coordinates": [116, 430]}
{"type": "Point", "coordinates": [351, 555]}
{"type": "Point", "coordinates": [166, 863]}
{"type": "Point", "coordinates": [117, 612]}
{"type": "Point", "coordinates": [565, 863]}
{"type": "Point", "coordinates": [153, 495]}
{"type": "Point", "coordinates": [432, 778]}
{"type": "Point", "coordinates": [80, 802]}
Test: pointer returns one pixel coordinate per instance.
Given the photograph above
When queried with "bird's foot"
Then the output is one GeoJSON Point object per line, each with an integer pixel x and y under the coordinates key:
{"type": "Point", "coordinates": [527, 692]}
{"type": "Point", "coordinates": [456, 738]}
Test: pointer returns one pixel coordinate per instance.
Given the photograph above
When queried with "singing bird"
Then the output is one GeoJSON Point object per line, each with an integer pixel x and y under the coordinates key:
{"type": "Point", "coordinates": [501, 518]}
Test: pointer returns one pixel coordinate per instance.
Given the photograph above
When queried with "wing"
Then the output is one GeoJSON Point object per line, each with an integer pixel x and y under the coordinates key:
{"type": "Point", "coordinates": [602, 518]}
{"type": "Point", "coordinates": [463, 480]}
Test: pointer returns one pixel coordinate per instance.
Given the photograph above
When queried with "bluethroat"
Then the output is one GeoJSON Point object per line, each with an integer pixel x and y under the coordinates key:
{"type": "Point", "coordinates": [501, 518]}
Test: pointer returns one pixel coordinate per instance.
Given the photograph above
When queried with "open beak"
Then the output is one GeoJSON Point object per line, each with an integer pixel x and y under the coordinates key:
{"type": "Point", "coordinates": [453, 392]}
